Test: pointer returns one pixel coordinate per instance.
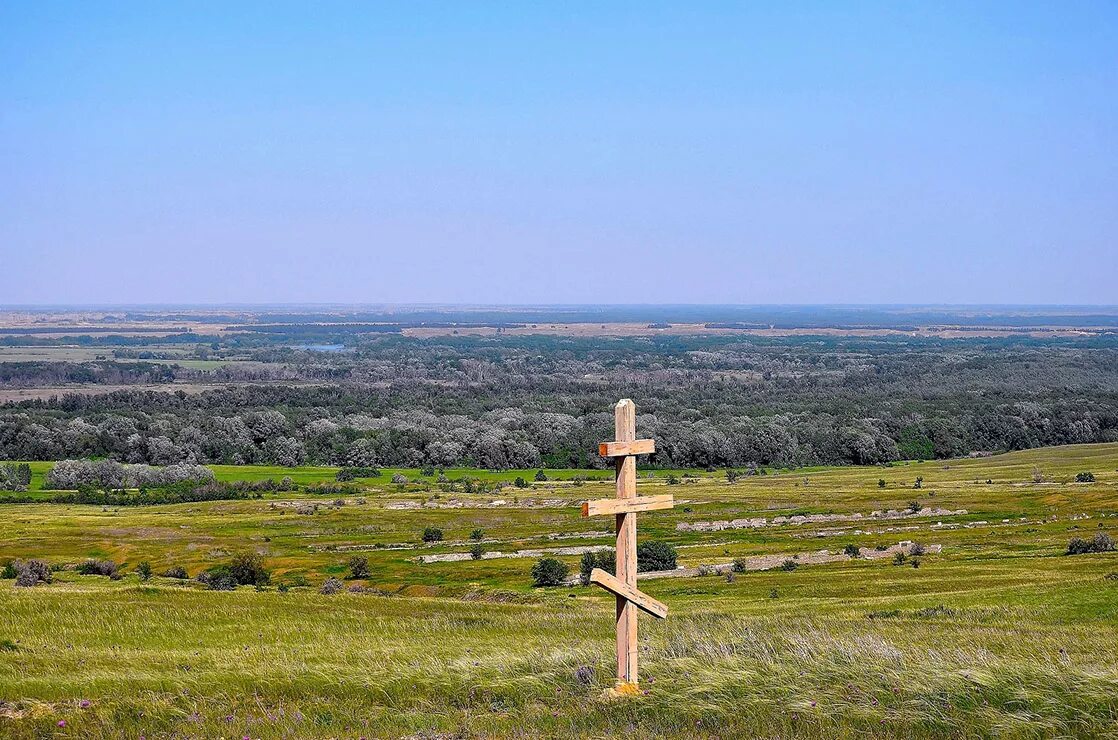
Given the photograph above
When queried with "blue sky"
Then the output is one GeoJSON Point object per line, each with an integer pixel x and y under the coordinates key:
{"type": "Point", "coordinates": [545, 152]}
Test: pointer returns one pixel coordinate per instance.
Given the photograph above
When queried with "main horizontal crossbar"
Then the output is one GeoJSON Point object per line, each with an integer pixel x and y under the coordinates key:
{"type": "Point", "coordinates": [641, 600]}
{"type": "Point", "coordinates": [607, 506]}
{"type": "Point", "coordinates": [621, 449]}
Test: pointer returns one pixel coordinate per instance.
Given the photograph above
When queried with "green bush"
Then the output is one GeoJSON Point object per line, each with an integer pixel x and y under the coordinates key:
{"type": "Point", "coordinates": [144, 570]}
{"type": "Point", "coordinates": [249, 570]}
{"type": "Point", "coordinates": [549, 572]}
{"type": "Point", "coordinates": [432, 534]}
{"type": "Point", "coordinates": [604, 559]}
{"type": "Point", "coordinates": [93, 567]}
{"type": "Point", "coordinates": [852, 550]}
{"type": "Point", "coordinates": [218, 578]}
{"type": "Point", "coordinates": [1084, 477]}
{"type": "Point", "coordinates": [176, 571]}
{"type": "Point", "coordinates": [789, 564]}
{"type": "Point", "coordinates": [476, 551]}
{"type": "Point", "coordinates": [654, 555]}
{"type": "Point", "coordinates": [477, 535]}
{"type": "Point", "coordinates": [358, 567]}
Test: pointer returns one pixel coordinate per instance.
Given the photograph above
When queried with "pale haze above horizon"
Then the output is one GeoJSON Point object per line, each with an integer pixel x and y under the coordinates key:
{"type": "Point", "coordinates": [522, 153]}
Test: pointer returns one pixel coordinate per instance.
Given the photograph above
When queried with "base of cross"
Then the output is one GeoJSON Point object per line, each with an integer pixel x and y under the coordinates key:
{"type": "Point", "coordinates": [621, 690]}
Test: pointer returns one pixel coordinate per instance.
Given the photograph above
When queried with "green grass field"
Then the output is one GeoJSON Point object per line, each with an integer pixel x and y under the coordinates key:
{"type": "Point", "coordinates": [1000, 634]}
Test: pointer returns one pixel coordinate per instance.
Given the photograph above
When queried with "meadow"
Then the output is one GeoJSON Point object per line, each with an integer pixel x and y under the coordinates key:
{"type": "Point", "coordinates": [1000, 633]}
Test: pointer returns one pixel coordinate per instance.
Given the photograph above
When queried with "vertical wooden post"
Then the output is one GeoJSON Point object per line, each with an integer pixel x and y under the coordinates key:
{"type": "Point", "coordinates": [625, 428]}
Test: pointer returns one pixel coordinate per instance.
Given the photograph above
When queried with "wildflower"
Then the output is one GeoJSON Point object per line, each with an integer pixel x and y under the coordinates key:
{"type": "Point", "coordinates": [61, 723]}
{"type": "Point", "coordinates": [84, 704]}
{"type": "Point", "coordinates": [813, 704]}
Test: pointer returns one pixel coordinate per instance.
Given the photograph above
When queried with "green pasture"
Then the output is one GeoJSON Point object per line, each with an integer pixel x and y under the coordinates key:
{"type": "Point", "coordinates": [999, 635]}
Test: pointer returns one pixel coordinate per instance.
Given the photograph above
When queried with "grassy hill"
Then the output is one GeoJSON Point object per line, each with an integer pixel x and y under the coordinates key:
{"type": "Point", "coordinates": [999, 633]}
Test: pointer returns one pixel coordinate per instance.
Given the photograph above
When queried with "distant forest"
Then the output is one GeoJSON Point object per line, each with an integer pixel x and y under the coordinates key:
{"type": "Point", "coordinates": [383, 399]}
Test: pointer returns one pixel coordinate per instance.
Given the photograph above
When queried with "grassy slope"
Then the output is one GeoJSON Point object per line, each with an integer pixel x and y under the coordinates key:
{"type": "Point", "coordinates": [1026, 645]}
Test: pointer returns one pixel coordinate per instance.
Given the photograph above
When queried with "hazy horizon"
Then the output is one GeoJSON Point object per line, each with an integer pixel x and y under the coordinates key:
{"type": "Point", "coordinates": [642, 154]}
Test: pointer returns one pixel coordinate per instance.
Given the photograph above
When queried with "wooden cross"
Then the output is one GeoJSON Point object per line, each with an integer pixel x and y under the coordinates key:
{"type": "Point", "coordinates": [625, 508]}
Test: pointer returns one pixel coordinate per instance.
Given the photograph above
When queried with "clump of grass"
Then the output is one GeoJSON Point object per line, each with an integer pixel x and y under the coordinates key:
{"type": "Point", "coordinates": [789, 565]}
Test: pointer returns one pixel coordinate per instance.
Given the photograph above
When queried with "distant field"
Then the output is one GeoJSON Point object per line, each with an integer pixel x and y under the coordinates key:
{"type": "Point", "coordinates": [999, 634]}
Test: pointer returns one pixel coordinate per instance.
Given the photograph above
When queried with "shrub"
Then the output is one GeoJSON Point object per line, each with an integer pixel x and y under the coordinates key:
{"type": "Point", "coordinates": [144, 570]}
{"type": "Point", "coordinates": [541, 476]}
{"type": "Point", "coordinates": [520, 482]}
{"type": "Point", "coordinates": [477, 535]}
{"type": "Point", "coordinates": [919, 482]}
{"type": "Point", "coordinates": [672, 480]}
{"type": "Point", "coordinates": [1084, 477]}
{"type": "Point", "coordinates": [432, 534]}
{"type": "Point", "coordinates": [654, 555]}
{"type": "Point", "coordinates": [1101, 542]}
{"type": "Point", "coordinates": [8, 572]}
{"type": "Point", "coordinates": [218, 578]}
{"type": "Point", "coordinates": [399, 478]}
{"type": "Point", "coordinates": [916, 549]}
{"type": "Point", "coordinates": [739, 565]}
{"type": "Point", "coordinates": [732, 476]}
{"type": "Point", "coordinates": [94, 567]}
{"type": "Point", "coordinates": [604, 559]}
{"type": "Point", "coordinates": [549, 572]}
{"type": "Point", "coordinates": [176, 571]}
{"type": "Point", "coordinates": [248, 569]}
{"type": "Point", "coordinates": [789, 564]}
{"type": "Point", "coordinates": [852, 550]}
{"type": "Point", "coordinates": [331, 586]}
{"type": "Point", "coordinates": [881, 483]}
{"type": "Point", "coordinates": [915, 506]}
{"type": "Point", "coordinates": [899, 558]}
{"type": "Point", "coordinates": [476, 551]}
{"type": "Point", "coordinates": [31, 572]}
{"type": "Point", "coordinates": [358, 567]}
